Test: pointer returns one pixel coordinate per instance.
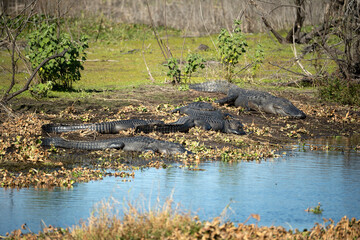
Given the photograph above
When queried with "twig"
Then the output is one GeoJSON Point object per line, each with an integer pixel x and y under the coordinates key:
{"type": "Point", "coordinates": [154, 30]}
{"type": "Point", "coordinates": [208, 33]}
{"type": "Point", "coordinates": [267, 24]}
{"type": "Point", "coordinates": [182, 49]}
{"type": "Point", "coordinates": [143, 55]}
{"type": "Point", "coordinates": [224, 16]}
{"type": "Point", "coordinates": [307, 73]}
{"type": "Point", "coordinates": [7, 110]}
{"type": "Point", "coordinates": [99, 29]}
{"type": "Point", "coordinates": [120, 99]}
{"type": "Point", "coordinates": [296, 73]}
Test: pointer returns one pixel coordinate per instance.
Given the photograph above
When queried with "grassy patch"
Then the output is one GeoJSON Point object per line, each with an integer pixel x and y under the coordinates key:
{"type": "Point", "coordinates": [115, 61]}
{"type": "Point", "coordinates": [337, 90]}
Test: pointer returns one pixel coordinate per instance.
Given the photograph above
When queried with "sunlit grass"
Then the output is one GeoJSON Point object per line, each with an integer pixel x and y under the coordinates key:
{"type": "Point", "coordinates": [115, 60]}
{"type": "Point", "coordinates": [169, 222]}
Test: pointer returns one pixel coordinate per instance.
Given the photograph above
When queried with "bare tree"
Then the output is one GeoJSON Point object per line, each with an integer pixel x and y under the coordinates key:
{"type": "Point", "coordinates": [294, 35]}
{"type": "Point", "coordinates": [341, 22]}
{"type": "Point", "coordinates": [339, 37]}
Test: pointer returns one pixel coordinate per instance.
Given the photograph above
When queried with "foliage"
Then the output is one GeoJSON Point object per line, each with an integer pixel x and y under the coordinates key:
{"type": "Point", "coordinates": [337, 40]}
{"type": "Point", "coordinates": [63, 71]}
{"type": "Point", "coordinates": [231, 47]}
{"type": "Point", "coordinates": [338, 90]}
{"type": "Point", "coordinates": [259, 57]}
{"type": "Point", "coordinates": [193, 62]}
{"type": "Point", "coordinates": [174, 71]}
{"type": "Point", "coordinates": [41, 90]}
{"type": "Point", "coordinates": [315, 210]}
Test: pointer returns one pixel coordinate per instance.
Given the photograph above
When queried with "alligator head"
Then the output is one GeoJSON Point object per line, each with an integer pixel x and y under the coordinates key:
{"type": "Point", "coordinates": [234, 126]}
{"type": "Point", "coordinates": [169, 148]}
{"type": "Point", "coordinates": [283, 107]}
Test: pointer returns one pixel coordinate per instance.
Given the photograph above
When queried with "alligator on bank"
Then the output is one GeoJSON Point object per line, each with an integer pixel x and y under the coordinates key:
{"type": "Point", "coordinates": [103, 127]}
{"type": "Point", "coordinates": [250, 99]}
{"type": "Point", "coordinates": [205, 106]}
{"type": "Point", "coordinates": [200, 114]}
{"type": "Point", "coordinates": [137, 144]}
{"type": "Point", "coordinates": [181, 125]}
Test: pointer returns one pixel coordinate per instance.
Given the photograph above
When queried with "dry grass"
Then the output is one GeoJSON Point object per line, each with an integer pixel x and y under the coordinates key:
{"type": "Point", "coordinates": [157, 223]}
{"type": "Point", "coordinates": [166, 222]}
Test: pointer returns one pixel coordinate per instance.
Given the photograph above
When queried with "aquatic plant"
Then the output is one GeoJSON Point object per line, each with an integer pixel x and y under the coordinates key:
{"type": "Point", "coordinates": [315, 210]}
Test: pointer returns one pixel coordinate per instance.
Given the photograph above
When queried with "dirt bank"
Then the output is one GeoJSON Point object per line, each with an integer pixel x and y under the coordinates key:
{"type": "Point", "coordinates": [21, 152]}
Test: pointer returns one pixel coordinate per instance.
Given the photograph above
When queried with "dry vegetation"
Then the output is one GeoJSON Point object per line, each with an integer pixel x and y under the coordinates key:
{"type": "Point", "coordinates": [24, 163]}
{"type": "Point", "coordinates": [167, 223]}
{"type": "Point", "coordinates": [201, 17]}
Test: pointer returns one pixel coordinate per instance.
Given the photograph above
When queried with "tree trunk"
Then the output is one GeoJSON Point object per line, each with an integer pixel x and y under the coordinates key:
{"type": "Point", "coordinates": [294, 33]}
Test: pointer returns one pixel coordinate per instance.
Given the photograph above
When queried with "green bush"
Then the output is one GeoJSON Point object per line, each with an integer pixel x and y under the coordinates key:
{"type": "Point", "coordinates": [231, 47]}
{"type": "Point", "coordinates": [173, 70]}
{"type": "Point", "coordinates": [63, 71]}
{"type": "Point", "coordinates": [193, 62]}
{"type": "Point", "coordinates": [258, 58]}
{"type": "Point", "coordinates": [338, 90]}
{"type": "Point", "coordinates": [41, 90]}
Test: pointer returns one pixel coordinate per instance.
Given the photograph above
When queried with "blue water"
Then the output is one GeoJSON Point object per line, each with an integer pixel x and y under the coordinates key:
{"type": "Point", "coordinates": [278, 190]}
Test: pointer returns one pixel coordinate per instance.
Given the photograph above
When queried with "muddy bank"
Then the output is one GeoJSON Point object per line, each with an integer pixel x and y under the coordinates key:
{"type": "Point", "coordinates": [21, 152]}
{"type": "Point", "coordinates": [323, 119]}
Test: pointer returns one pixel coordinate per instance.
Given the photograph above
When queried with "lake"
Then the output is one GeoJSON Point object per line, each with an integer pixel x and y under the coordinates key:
{"type": "Point", "coordinates": [279, 190]}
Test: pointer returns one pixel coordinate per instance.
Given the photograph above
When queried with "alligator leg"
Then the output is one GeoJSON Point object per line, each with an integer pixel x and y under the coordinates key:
{"type": "Point", "coordinates": [228, 99]}
{"type": "Point", "coordinates": [203, 124]}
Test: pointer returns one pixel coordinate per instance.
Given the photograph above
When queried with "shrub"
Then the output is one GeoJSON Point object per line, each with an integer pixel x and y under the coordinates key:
{"type": "Point", "coordinates": [231, 47]}
{"type": "Point", "coordinates": [193, 63]}
{"type": "Point", "coordinates": [41, 90]}
{"type": "Point", "coordinates": [339, 90]}
{"type": "Point", "coordinates": [174, 71]}
{"type": "Point", "coordinates": [63, 71]}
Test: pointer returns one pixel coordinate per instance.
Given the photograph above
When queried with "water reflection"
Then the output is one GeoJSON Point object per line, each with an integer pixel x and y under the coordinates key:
{"type": "Point", "coordinates": [278, 190]}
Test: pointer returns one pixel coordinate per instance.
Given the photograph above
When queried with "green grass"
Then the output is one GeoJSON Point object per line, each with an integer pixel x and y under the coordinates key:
{"type": "Point", "coordinates": [110, 65]}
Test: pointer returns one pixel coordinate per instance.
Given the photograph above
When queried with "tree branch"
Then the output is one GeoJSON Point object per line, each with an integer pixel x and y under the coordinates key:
{"type": "Point", "coordinates": [7, 97]}
{"type": "Point", "coordinates": [296, 73]}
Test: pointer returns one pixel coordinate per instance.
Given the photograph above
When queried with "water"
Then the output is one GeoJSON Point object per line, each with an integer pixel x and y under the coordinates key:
{"type": "Point", "coordinates": [278, 190]}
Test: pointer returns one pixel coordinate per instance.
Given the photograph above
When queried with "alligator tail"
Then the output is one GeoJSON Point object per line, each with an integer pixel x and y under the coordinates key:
{"type": "Point", "coordinates": [220, 86]}
{"type": "Point", "coordinates": [104, 127]}
{"type": "Point", "coordinates": [54, 128]}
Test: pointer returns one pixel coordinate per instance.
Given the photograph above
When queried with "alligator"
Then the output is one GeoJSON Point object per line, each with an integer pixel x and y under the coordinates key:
{"type": "Point", "coordinates": [102, 127]}
{"type": "Point", "coordinates": [195, 105]}
{"type": "Point", "coordinates": [137, 144]}
{"type": "Point", "coordinates": [250, 99]}
{"type": "Point", "coordinates": [204, 115]}
{"type": "Point", "coordinates": [200, 114]}
{"type": "Point", "coordinates": [216, 124]}
{"type": "Point", "coordinates": [179, 126]}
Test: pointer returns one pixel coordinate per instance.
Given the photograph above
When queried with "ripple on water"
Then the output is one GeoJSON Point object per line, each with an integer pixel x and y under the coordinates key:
{"type": "Point", "coordinates": [278, 190]}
